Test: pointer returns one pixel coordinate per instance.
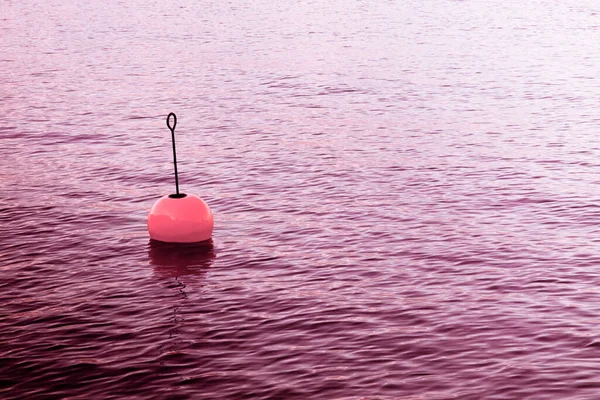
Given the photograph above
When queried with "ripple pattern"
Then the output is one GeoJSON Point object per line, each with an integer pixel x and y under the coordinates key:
{"type": "Point", "coordinates": [406, 200]}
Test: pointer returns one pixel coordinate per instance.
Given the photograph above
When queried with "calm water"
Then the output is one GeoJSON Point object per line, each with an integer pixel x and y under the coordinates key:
{"type": "Point", "coordinates": [406, 199]}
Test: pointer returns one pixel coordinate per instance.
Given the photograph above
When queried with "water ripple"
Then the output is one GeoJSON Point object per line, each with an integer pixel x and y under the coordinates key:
{"type": "Point", "coordinates": [405, 200]}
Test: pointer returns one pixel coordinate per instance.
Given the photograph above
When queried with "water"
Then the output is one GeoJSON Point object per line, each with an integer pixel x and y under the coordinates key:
{"type": "Point", "coordinates": [406, 199]}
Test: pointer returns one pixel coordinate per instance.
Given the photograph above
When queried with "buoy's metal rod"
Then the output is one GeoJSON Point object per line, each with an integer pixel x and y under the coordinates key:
{"type": "Point", "coordinates": [172, 129]}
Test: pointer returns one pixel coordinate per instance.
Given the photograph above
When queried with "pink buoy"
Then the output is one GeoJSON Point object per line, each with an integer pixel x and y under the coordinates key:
{"type": "Point", "coordinates": [180, 217]}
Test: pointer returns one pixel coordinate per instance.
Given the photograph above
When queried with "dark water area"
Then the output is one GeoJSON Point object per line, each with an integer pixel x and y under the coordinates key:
{"type": "Point", "coordinates": [406, 198]}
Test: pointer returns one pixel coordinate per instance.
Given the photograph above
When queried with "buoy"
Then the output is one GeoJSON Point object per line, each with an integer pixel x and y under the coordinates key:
{"type": "Point", "coordinates": [179, 217]}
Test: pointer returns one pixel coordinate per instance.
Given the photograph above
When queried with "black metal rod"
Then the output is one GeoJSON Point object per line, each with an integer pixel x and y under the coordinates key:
{"type": "Point", "coordinates": [172, 129]}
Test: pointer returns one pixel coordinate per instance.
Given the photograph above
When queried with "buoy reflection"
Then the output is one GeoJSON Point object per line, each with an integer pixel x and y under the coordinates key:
{"type": "Point", "coordinates": [171, 260]}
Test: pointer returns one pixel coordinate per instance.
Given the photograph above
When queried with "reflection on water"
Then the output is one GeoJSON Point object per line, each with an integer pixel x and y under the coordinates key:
{"type": "Point", "coordinates": [172, 260]}
{"type": "Point", "coordinates": [171, 263]}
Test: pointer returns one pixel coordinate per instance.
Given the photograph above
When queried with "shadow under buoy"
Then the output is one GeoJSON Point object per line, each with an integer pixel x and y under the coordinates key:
{"type": "Point", "coordinates": [172, 260]}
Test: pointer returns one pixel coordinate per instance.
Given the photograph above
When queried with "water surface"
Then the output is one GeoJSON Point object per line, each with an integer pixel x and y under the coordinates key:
{"type": "Point", "coordinates": [405, 197]}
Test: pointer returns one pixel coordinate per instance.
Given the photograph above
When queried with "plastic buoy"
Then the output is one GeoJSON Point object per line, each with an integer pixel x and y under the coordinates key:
{"type": "Point", "coordinates": [179, 217]}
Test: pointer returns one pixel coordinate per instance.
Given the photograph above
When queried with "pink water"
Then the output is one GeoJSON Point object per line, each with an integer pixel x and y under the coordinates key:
{"type": "Point", "coordinates": [406, 199]}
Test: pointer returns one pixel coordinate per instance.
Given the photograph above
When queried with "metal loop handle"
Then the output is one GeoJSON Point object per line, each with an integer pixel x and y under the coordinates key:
{"type": "Point", "coordinates": [174, 121]}
{"type": "Point", "coordinates": [172, 129]}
